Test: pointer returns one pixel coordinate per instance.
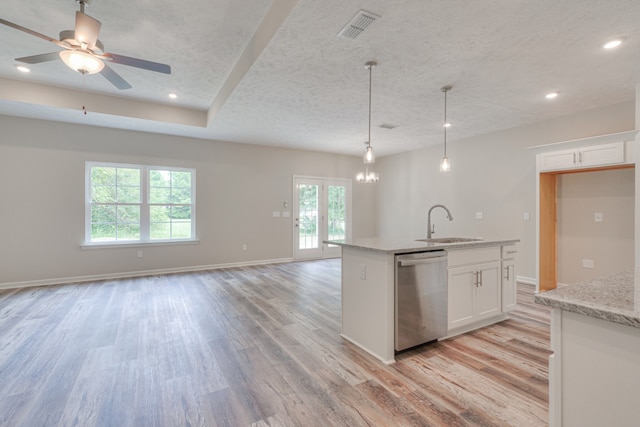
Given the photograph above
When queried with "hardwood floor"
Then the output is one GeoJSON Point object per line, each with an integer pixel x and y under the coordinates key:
{"type": "Point", "coordinates": [253, 346]}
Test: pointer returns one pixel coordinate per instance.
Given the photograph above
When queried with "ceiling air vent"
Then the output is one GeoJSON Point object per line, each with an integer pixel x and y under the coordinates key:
{"type": "Point", "coordinates": [358, 24]}
{"type": "Point", "coordinates": [388, 126]}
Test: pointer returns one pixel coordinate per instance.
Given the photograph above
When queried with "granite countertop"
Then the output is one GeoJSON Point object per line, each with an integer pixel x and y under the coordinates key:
{"type": "Point", "coordinates": [613, 298]}
{"type": "Point", "coordinates": [405, 245]}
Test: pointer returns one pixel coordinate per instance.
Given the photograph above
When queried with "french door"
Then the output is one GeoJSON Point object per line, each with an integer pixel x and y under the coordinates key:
{"type": "Point", "coordinates": [322, 211]}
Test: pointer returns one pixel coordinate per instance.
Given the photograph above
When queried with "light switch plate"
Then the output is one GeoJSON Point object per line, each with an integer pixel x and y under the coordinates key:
{"type": "Point", "coordinates": [276, 214]}
{"type": "Point", "coordinates": [286, 214]}
{"type": "Point", "coordinates": [587, 263]}
{"type": "Point", "coordinates": [598, 217]}
{"type": "Point", "coordinates": [478, 215]}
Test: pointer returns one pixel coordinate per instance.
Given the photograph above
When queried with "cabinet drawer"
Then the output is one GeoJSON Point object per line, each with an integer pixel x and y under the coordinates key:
{"type": "Point", "coordinates": [509, 251]}
{"type": "Point", "coordinates": [472, 256]}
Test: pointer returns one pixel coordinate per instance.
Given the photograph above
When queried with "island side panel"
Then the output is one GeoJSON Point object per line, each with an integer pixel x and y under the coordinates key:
{"type": "Point", "coordinates": [600, 372]}
{"type": "Point", "coordinates": [368, 301]}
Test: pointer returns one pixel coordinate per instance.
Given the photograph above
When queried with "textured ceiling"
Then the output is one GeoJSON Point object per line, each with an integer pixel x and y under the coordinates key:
{"type": "Point", "coordinates": [275, 73]}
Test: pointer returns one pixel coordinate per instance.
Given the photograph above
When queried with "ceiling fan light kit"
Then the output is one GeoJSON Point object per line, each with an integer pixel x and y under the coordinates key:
{"type": "Point", "coordinates": [84, 53]}
{"type": "Point", "coordinates": [81, 61]}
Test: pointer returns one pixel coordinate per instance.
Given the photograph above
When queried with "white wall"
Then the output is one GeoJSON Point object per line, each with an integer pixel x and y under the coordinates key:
{"type": "Point", "coordinates": [42, 167]}
{"type": "Point", "coordinates": [610, 243]}
{"type": "Point", "coordinates": [493, 174]}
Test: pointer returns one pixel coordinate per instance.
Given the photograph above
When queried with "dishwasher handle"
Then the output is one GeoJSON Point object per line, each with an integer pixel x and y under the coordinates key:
{"type": "Point", "coordinates": [410, 262]}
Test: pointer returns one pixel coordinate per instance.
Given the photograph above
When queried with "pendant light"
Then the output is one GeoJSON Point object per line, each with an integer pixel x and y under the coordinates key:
{"type": "Point", "coordinates": [444, 163]}
{"type": "Point", "coordinates": [369, 158]}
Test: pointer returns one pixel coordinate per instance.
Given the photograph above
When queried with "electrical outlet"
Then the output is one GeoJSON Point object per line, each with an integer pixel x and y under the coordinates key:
{"type": "Point", "coordinates": [139, 254]}
{"type": "Point", "coordinates": [525, 216]}
{"type": "Point", "coordinates": [479, 215]}
{"type": "Point", "coordinates": [286, 214]}
{"type": "Point", "coordinates": [598, 217]}
{"type": "Point", "coordinates": [244, 246]}
{"type": "Point", "coordinates": [276, 214]}
{"type": "Point", "coordinates": [363, 272]}
{"type": "Point", "coordinates": [587, 263]}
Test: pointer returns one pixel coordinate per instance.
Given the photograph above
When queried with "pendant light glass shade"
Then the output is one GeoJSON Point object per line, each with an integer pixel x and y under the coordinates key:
{"type": "Point", "coordinates": [445, 165]}
{"type": "Point", "coordinates": [369, 155]}
{"type": "Point", "coordinates": [369, 158]}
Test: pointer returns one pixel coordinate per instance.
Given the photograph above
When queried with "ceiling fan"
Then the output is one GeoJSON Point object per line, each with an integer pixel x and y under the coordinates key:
{"type": "Point", "coordinates": [83, 52]}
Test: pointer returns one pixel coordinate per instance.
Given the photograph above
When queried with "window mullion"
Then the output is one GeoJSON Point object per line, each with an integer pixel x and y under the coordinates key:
{"type": "Point", "coordinates": [144, 205]}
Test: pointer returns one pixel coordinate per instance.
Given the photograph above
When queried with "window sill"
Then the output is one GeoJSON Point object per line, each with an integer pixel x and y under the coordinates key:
{"type": "Point", "coordinates": [138, 244]}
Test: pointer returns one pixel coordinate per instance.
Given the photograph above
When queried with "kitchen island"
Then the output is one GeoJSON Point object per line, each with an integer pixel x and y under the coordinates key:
{"type": "Point", "coordinates": [368, 287]}
{"type": "Point", "coordinates": [594, 371]}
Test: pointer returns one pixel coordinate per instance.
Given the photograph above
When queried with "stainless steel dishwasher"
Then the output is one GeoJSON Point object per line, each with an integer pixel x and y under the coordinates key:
{"type": "Point", "coordinates": [420, 298]}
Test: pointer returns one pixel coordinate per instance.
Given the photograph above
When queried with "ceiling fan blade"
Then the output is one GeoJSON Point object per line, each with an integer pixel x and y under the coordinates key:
{"type": "Point", "coordinates": [87, 29]}
{"type": "Point", "coordinates": [114, 78]}
{"type": "Point", "coordinates": [33, 33]}
{"type": "Point", "coordinates": [36, 59]}
{"type": "Point", "coordinates": [138, 63]}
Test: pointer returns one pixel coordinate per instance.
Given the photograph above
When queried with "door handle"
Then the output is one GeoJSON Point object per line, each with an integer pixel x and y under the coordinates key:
{"type": "Point", "coordinates": [480, 278]}
{"type": "Point", "coordinates": [475, 279]}
{"type": "Point", "coordinates": [507, 269]}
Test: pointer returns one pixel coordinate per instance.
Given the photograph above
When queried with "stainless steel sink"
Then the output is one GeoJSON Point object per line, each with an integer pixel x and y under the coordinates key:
{"type": "Point", "coordinates": [450, 240]}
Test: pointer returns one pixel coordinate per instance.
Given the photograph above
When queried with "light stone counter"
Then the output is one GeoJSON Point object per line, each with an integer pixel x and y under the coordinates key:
{"type": "Point", "coordinates": [612, 298]}
{"type": "Point", "coordinates": [594, 371]}
{"type": "Point", "coordinates": [407, 245]}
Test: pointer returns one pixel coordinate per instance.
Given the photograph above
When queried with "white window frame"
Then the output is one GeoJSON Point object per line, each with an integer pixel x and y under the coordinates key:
{"type": "Point", "coordinates": [145, 205]}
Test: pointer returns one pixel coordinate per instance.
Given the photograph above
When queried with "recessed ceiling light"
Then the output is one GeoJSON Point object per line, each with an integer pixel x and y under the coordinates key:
{"type": "Point", "coordinates": [551, 95]}
{"type": "Point", "coordinates": [173, 96]}
{"type": "Point", "coordinates": [612, 44]}
{"type": "Point", "coordinates": [22, 68]}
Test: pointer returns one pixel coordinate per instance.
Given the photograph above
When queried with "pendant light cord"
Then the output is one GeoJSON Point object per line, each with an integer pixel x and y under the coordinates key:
{"type": "Point", "coordinates": [371, 65]}
{"type": "Point", "coordinates": [445, 89]}
{"type": "Point", "coordinates": [445, 120]}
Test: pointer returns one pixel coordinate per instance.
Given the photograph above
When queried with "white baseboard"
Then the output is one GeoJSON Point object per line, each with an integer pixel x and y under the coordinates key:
{"type": "Point", "coordinates": [527, 280]}
{"type": "Point", "coordinates": [77, 279]}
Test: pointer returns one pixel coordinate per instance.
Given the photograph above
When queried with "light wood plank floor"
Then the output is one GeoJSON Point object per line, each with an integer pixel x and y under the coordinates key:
{"type": "Point", "coordinates": [253, 346]}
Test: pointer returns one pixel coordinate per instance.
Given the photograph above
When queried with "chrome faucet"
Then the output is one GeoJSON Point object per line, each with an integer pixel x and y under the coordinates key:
{"type": "Point", "coordinates": [431, 230]}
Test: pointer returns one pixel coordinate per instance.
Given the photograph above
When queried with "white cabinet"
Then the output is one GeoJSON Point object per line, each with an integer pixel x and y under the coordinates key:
{"type": "Point", "coordinates": [474, 286]}
{"type": "Point", "coordinates": [585, 157]}
{"type": "Point", "coordinates": [509, 285]}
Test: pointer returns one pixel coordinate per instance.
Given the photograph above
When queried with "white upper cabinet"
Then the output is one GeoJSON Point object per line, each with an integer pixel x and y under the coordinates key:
{"type": "Point", "coordinates": [585, 157]}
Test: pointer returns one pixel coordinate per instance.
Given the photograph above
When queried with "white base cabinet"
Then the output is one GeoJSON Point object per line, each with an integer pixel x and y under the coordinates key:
{"type": "Point", "coordinates": [474, 293]}
{"type": "Point", "coordinates": [478, 293]}
{"type": "Point", "coordinates": [509, 284]}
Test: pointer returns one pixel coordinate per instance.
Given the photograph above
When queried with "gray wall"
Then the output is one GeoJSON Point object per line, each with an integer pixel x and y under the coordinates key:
{"type": "Point", "coordinates": [493, 174]}
{"type": "Point", "coordinates": [42, 167]}
{"type": "Point", "coordinates": [610, 243]}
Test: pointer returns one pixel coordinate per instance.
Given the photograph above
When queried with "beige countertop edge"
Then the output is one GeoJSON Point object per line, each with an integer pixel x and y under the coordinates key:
{"type": "Point", "coordinates": [399, 246]}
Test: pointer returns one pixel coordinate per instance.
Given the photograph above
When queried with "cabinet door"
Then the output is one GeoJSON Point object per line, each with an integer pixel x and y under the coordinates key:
{"type": "Point", "coordinates": [488, 292]}
{"type": "Point", "coordinates": [509, 286]}
{"type": "Point", "coordinates": [558, 160]}
{"type": "Point", "coordinates": [461, 281]}
{"type": "Point", "coordinates": [601, 155]}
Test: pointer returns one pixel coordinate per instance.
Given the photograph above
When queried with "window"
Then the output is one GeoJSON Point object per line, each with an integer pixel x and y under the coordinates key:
{"type": "Point", "coordinates": [138, 204]}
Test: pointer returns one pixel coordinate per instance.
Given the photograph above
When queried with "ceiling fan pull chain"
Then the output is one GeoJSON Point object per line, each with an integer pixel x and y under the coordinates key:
{"type": "Point", "coordinates": [84, 92]}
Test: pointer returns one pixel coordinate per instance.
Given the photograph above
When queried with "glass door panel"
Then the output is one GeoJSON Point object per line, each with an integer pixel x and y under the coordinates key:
{"type": "Point", "coordinates": [323, 212]}
{"type": "Point", "coordinates": [307, 221]}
